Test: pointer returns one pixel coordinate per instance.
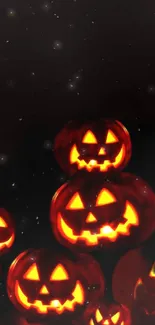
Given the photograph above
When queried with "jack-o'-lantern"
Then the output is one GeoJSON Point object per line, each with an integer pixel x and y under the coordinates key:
{"type": "Point", "coordinates": [7, 233]}
{"type": "Point", "coordinates": [95, 146]}
{"type": "Point", "coordinates": [90, 211]}
{"type": "Point", "coordinates": [127, 274]}
{"type": "Point", "coordinates": [41, 284]}
{"type": "Point", "coordinates": [110, 314]}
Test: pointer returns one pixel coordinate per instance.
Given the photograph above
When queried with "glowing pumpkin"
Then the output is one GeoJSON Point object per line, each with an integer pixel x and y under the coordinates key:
{"type": "Point", "coordinates": [7, 232]}
{"type": "Point", "coordinates": [90, 211]}
{"type": "Point", "coordinates": [99, 145]}
{"type": "Point", "coordinates": [134, 285]}
{"type": "Point", "coordinates": [41, 284]}
{"type": "Point", "coordinates": [110, 314]}
{"type": "Point", "coordinates": [129, 270]}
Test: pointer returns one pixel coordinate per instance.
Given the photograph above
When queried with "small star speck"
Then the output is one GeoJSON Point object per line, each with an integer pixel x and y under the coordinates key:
{"type": "Point", "coordinates": [3, 159]}
{"type": "Point", "coordinates": [151, 89]}
{"type": "Point", "coordinates": [57, 45]}
{"type": "Point", "coordinates": [47, 145]}
{"type": "Point", "coordinates": [71, 26]}
{"type": "Point", "coordinates": [46, 6]}
{"type": "Point", "coordinates": [11, 13]}
{"type": "Point", "coordinates": [71, 86]}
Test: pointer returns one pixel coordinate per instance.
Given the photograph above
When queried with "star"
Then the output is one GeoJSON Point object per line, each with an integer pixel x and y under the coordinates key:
{"type": "Point", "coordinates": [46, 6]}
{"type": "Point", "coordinates": [11, 13]}
{"type": "Point", "coordinates": [3, 159]}
{"type": "Point", "coordinates": [57, 45]}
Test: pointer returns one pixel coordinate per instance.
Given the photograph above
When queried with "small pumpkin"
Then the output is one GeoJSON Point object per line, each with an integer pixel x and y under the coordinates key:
{"type": "Point", "coordinates": [7, 231]}
{"type": "Point", "coordinates": [110, 314]}
{"type": "Point", "coordinates": [41, 284]}
{"type": "Point", "coordinates": [101, 146]}
{"type": "Point", "coordinates": [91, 211]}
{"type": "Point", "coordinates": [133, 284]}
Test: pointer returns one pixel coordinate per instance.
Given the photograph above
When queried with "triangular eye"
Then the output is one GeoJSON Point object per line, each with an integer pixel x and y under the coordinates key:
{"type": "Point", "coordinates": [89, 137]}
{"type": "Point", "coordinates": [59, 274]}
{"type": "Point", "coordinates": [111, 137]}
{"type": "Point", "coordinates": [75, 202]}
{"type": "Point", "coordinates": [115, 317]}
{"type": "Point", "coordinates": [3, 223]}
{"type": "Point", "coordinates": [32, 273]}
{"type": "Point", "coordinates": [98, 316]}
{"type": "Point", "coordinates": [152, 272]}
{"type": "Point", "coordinates": [105, 197]}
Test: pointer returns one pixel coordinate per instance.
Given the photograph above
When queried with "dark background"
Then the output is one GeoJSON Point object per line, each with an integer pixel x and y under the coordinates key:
{"type": "Point", "coordinates": [64, 60]}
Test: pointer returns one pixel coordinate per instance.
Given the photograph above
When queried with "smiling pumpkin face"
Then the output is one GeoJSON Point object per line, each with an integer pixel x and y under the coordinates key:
{"type": "Point", "coordinates": [113, 314]}
{"type": "Point", "coordinates": [7, 235]}
{"type": "Point", "coordinates": [88, 212]}
{"type": "Point", "coordinates": [42, 286]}
{"type": "Point", "coordinates": [95, 146]}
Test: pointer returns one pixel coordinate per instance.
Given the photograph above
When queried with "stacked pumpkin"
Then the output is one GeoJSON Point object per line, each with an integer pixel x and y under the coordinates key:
{"type": "Point", "coordinates": [97, 209]}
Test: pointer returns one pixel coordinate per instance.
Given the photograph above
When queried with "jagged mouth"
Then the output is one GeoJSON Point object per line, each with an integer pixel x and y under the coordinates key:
{"type": "Point", "coordinates": [8, 243]}
{"type": "Point", "coordinates": [98, 159]}
{"type": "Point", "coordinates": [99, 162]}
{"type": "Point", "coordinates": [78, 298]}
{"type": "Point", "coordinates": [106, 231]}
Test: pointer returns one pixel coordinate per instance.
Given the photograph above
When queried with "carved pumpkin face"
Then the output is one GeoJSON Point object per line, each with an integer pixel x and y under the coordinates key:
{"type": "Point", "coordinates": [90, 211]}
{"type": "Point", "coordinates": [41, 285]}
{"type": "Point", "coordinates": [6, 231]}
{"type": "Point", "coordinates": [113, 314]}
{"type": "Point", "coordinates": [101, 146]}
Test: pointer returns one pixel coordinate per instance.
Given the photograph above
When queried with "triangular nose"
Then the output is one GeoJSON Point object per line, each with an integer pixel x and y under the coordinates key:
{"type": "Point", "coordinates": [106, 322]}
{"type": "Point", "coordinates": [43, 290]}
{"type": "Point", "coordinates": [102, 151]}
{"type": "Point", "coordinates": [90, 218]}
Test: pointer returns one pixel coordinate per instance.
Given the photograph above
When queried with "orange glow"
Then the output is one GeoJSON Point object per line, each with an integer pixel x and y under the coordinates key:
{"type": "Point", "coordinates": [105, 197]}
{"type": "Point", "coordinates": [106, 322]}
{"type": "Point", "coordinates": [32, 273]}
{"type": "Point", "coordinates": [111, 137]}
{"type": "Point", "coordinates": [3, 224]}
{"type": "Point", "coordinates": [89, 137]}
{"type": "Point", "coordinates": [59, 274]}
{"type": "Point", "coordinates": [100, 319]}
{"type": "Point", "coordinates": [44, 290]}
{"type": "Point", "coordinates": [90, 218]}
{"type": "Point", "coordinates": [7, 243]}
{"type": "Point", "coordinates": [102, 151]}
{"type": "Point", "coordinates": [91, 322]}
{"type": "Point", "coordinates": [139, 283]}
{"type": "Point", "coordinates": [130, 215]}
{"type": "Point", "coordinates": [98, 316]}
{"type": "Point", "coordinates": [75, 203]}
{"type": "Point", "coordinates": [152, 272]}
{"type": "Point", "coordinates": [55, 305]}
{"type": "Point", "coordinates": [115, 318]}
{"type": "Point", "coordinates": [74, 159]}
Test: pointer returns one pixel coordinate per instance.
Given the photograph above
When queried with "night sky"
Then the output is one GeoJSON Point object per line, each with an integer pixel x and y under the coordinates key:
{"type": "Point", "coordinates": [64, 60]}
